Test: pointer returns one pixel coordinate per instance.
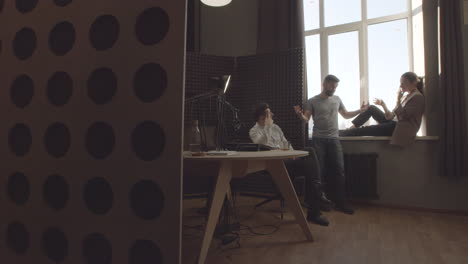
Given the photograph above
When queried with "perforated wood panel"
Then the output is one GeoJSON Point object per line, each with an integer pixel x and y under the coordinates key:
{"type": "Point", "coordinates": [91, 130]}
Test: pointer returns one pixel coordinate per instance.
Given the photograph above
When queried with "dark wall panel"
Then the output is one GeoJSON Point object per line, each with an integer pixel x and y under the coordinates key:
{"type": "Point", "coordinates": [91, 160]}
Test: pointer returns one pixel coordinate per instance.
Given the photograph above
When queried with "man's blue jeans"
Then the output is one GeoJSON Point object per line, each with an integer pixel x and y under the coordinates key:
{"type": "Point", "coordinates": [330, 156]}
{"type": "Point", "coordinates": [309, 168]}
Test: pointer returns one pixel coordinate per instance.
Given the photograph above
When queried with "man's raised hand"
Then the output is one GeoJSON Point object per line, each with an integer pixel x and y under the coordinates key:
{"type": "Point", "coordinates": [298, 109]}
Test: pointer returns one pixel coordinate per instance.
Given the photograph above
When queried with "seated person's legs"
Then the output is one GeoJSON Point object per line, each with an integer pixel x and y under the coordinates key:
{"type": "Point", "coordinates": [374, 112]}
{"type": "Point", "coordinates": [382, 130]}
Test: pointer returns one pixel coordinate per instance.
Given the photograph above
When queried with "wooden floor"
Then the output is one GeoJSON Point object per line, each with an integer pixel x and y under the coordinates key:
{"type": "Point", "coordinates": [372, 235]}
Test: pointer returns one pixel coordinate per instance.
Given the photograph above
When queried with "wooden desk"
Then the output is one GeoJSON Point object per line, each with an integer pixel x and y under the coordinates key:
{"type": "Point", "coordinates": [240, 165]}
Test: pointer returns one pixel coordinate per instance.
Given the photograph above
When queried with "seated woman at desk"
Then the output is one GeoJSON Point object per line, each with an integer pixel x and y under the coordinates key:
{"type": "Point", "coordinates": [267, 133]}
{"type": "Point", "coordinates": [402, 123]}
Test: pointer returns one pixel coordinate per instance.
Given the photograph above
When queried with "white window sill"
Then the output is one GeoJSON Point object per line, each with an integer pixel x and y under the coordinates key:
{"type": "Point", "coordinates": [372, 138]}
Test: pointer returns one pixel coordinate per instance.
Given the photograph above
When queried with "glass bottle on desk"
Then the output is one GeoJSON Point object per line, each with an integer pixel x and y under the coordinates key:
{"type": "Point", "coordinates": [195, 138]}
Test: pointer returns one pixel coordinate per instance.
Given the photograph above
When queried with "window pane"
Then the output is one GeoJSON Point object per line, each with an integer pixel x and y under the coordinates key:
{"type": "Point", "coordinates": [418, 44]}
{"type": "Point", "coordinates": [341, 11]}
{"type": "Point", "coordinates": [314, 83]}
{"type": "Point", "coordinates": [378, 8]}
{"type": "Point", "coordinates": [388, 60]}
{"type": "Point", "coordinates": [416, 4]}
{"type": "Point", "coordinates": [311, 14]}
{"type": "Point", "coordinates": [343, 56]}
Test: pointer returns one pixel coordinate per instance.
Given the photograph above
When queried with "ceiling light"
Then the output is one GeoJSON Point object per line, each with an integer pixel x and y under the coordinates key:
{"type": "Point", "coordinates": [216, 2]}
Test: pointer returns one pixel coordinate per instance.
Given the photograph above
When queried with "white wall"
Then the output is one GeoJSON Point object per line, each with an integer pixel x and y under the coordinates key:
{"type": "Point", "coordinates": [409, 177]}
{"type": "Point", "coordinates": [229, 30]}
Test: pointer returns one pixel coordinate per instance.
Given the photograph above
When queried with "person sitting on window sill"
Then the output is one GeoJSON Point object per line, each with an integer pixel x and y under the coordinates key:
{"type": "Point", "coordinates": [402, 123]}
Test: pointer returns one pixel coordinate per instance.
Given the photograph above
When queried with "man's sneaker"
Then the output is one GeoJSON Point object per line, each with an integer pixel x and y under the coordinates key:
{"type": "Point", "coordinates": [325, 207]}
{"type": "Point", "coordinates": [317, 218]}
{"type": "Point", "coordinates": [325, 204]}
{"type": "Point", "coordinates": [345, 208]}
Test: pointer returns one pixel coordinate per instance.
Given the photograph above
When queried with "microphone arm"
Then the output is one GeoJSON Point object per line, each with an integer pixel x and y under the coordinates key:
{"type": "Point", "coordinates": [204, 95]}
{"type": "Point", "coordinates": [233, 108]}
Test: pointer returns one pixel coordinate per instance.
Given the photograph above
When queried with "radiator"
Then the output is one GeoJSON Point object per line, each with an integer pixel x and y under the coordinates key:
{"type": "Point", "coordinates": [361, 175]}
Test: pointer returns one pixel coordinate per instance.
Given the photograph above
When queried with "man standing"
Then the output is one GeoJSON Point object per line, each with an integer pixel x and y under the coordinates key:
{"type": "Point", "coordinates": [324, 109]}
{"type": "Point", "coordinates": [268, 133]}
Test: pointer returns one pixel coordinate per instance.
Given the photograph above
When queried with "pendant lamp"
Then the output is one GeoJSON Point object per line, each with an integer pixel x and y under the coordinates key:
{"type": "Point", "coordinates": [216, 3]}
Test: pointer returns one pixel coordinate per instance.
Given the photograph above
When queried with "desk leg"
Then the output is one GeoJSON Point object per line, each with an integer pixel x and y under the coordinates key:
{"type": "Point", "coordinates": [280, 175]}
{"type": "Point", "coordinates": [221, 188]}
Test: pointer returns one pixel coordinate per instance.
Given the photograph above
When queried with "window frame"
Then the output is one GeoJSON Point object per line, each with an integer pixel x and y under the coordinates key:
{"type": "Point", "coordinates": [362, 28]}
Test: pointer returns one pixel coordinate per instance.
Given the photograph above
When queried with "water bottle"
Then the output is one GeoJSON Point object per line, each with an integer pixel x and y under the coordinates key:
{"type": "Point", "coordinates": [195, 138]}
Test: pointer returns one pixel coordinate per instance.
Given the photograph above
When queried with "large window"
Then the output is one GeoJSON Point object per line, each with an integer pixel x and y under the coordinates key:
{"type": "Point", "coordinates": [367, 44]}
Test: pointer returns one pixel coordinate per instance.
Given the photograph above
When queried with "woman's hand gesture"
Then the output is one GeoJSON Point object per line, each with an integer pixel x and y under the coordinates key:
{"type": "Point", "coordinates": [399, 95]}
{"type": "Point", "coordinates": [378, 101]}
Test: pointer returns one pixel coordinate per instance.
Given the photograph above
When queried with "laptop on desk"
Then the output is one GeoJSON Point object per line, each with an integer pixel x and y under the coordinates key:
{"type": "Point", "coordinates": [247, 147]}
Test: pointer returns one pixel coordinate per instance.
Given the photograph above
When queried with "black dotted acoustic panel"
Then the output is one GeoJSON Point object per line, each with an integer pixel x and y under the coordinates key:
{"type": "Point", "coordinates": [92, 128]}
{"type": "Point", "coordinates": [62, 2]}
{"type": "Point", "coordinates": [104, 32]}
{"type": "Point", "coordinates": [59, 88]}
{"type": "Point", "coordinates": [102, 85]}
{"type": "Point", "coordinates": [150, 82]}
{"type": "Point", "coordinates": [97, 249]}
{"type": "Point", "coordinates": [54, 244]}
{"type": "Point", "coordinates": [152, 26]}
{"type": "Point", "coordinates": [145, 251]}
{"type": "Point", "coordinates": [24, 43]}
{"type": "Point", "coordinates": [22, 91]}
{"type": "Point", "coordinates": [57, 140]}
{"type": "Point", "coordinates": [98, 195]}
{"type": "Point", "coordinates": [20, 139]}
{"type": "Point", "coordinates": [62, 38]}
{"type": "Point", "coordinates": [56, 192]}
{"type": "Point", "coordinates": [100, 140]}
{"type": "Point", "coordinates": [18, 188]}
{"type": "Point", "coordinates": [17, 238]}
{"type": "Point", "coordinates": [25, 6]}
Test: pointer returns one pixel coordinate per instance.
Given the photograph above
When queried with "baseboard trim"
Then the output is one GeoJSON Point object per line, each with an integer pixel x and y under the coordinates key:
{"type": "Point", "coordinates": [411, 208]}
